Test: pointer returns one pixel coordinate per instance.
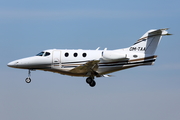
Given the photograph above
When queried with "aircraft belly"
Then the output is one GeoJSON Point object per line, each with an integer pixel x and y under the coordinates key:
{"type": "Point", "coordinates": [64, 71]}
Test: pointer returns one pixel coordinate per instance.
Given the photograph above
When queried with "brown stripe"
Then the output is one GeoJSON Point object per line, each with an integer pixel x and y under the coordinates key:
{"type": "Point", "coordinates": [72, 64]}
{"type": "Point", "coordinates": [115, 62]}
{"type": "Point", "coordinates": [147, 37]}
{"type": "Point", "coordinates": [141, 39]}
{"type": "Point", "coordinates": [155, 56]}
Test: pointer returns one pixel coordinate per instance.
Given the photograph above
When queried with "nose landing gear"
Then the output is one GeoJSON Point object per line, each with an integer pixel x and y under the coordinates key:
{"type": "Point", "coordinates": [28, 79]}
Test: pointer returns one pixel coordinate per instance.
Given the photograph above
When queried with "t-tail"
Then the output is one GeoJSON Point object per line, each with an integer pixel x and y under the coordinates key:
{"type": "Point", "coordinates": [148, 43]}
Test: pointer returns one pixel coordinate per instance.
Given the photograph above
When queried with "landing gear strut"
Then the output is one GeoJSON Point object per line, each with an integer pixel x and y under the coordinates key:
{"type": "Point", "coordinates": [28, 79]}
{"type": "Point", "coordinates": [91, 81]}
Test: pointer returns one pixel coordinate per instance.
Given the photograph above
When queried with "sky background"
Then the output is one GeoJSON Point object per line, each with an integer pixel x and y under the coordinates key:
{"type": "Point", "coordinates": [143, 93]}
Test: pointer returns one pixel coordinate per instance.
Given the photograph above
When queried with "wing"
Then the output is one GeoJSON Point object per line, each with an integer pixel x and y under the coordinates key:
{"type": "Point", "coordinates": [87, 68]}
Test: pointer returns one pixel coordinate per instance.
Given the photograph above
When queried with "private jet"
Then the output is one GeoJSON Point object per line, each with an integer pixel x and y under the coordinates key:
{"type": "Point", "coordinates": [94, 63]}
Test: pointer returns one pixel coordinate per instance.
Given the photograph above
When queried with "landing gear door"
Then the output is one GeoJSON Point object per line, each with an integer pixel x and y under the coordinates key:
{"type": "Point", "coordinates": [56, 58]}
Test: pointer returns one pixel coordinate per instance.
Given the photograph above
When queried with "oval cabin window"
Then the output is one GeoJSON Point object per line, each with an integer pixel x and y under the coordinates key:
{"type": "Point", "coordinates": [75, 54]}
{"type": "Point", "coordinates": [84, 54]}
{"type": "Point", "coordinates": [66, 54]}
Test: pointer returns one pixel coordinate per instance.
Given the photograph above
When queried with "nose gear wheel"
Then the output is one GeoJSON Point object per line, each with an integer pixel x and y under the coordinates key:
{"type": "Point", "coordinates": [28, 79]}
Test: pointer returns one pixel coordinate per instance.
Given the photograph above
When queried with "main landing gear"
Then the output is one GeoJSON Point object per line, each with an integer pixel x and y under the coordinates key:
{"type": "Point", "coordinates": [90, 81]}
{"type": "Point", "coordinates": [28, 79]}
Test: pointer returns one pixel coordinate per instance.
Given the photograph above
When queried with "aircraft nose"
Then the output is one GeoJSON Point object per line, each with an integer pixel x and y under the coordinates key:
{"type": "Point", "coordinates": [12, 64]}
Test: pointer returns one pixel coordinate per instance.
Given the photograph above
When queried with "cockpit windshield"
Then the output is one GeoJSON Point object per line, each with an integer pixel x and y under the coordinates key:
{"type": "Point", "coordinates": [43, 54]}
{"type": "Point", "coordinates": [47, 54]}
{"type": "Point", "coordinates": [40, 54]}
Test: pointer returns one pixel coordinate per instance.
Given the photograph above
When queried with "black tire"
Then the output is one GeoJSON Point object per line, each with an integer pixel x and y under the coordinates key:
{"type": "Point", "coordinates": [93, 83]}
{"type": "Point", "coordinates": [28, 80]}
{"type": "Point", "coordinates": [89, 80]}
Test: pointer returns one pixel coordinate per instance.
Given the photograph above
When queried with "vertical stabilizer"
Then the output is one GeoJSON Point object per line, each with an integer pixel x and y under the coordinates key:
{"type": "Point", "coordinates": [148, 42]}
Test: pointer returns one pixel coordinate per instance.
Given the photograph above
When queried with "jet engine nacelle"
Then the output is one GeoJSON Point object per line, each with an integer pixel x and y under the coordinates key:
{"type": "Point", "coordinates": [113, 55]}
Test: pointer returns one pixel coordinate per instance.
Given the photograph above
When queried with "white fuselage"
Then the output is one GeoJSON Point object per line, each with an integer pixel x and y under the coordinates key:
{"type": "Point", "coordinates": [63, 61]}
{"type": "Point", "coordinates": [94, 63]}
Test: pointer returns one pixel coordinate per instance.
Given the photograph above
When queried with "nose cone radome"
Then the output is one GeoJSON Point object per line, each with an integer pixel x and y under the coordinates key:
{"type": "Point", "coordinates": [21, 63]}
{"type": "Point", "coordinates": [13, 64]}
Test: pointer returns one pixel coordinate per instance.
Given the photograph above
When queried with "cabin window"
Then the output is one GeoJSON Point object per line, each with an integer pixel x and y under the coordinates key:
{"type": "Point", "coordinates": [40, 54]}
{"type": "Point", "coordinates": [66, 54]}
{"type": "Point", "coordinates": [75, 54]}
{"type": "Point", "coordinates": [47, 54]}
{"type": "Point", "coordinates": [84, 54]}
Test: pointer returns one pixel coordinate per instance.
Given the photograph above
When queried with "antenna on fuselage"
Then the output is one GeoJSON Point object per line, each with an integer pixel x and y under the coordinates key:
{"type": "Point", "coordinates": [98, 48]}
